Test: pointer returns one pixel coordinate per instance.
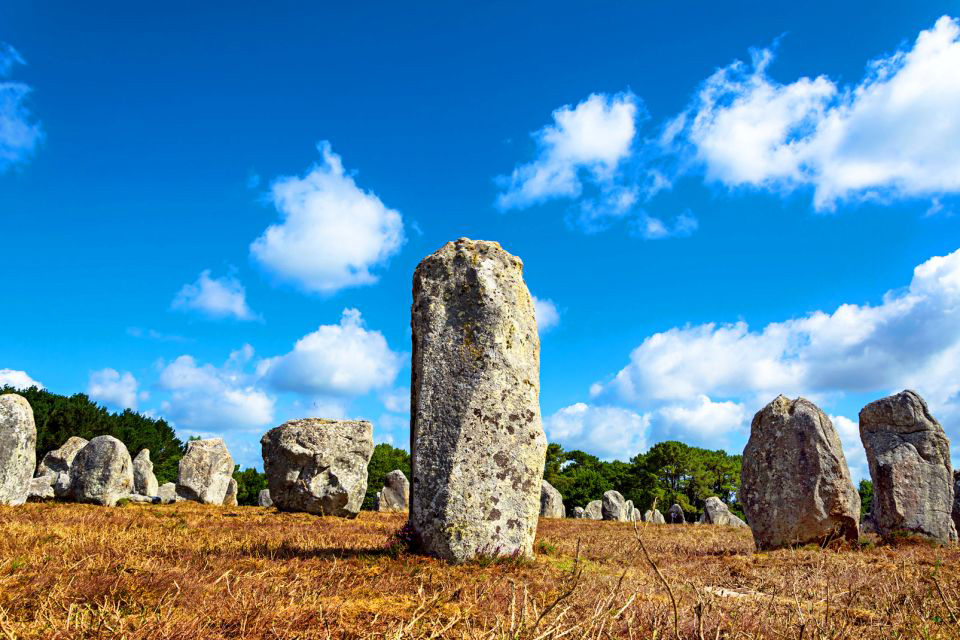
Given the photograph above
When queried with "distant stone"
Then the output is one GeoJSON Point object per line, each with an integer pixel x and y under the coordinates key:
{"type": "Point", "coordinates": [909, 458]}
{"type": "Point", "coordinates": [230, 499]}
{"type": "Point", "coordinates": [477, 440]}
{"type": "Point", "coordinates": [628, 511]}
{"type": "Point", "coordinates": [579, 513]}
{"type": "Point", "coordinates": [140, 498]}
{"type": "Point", "coordinates": [167, 493]}
{"type": "Point", "coordinates": [206, 470]}
{"type": "Point", "coordinates": [795, 484]}
{"type": "Point", "coordinates": [613, 506]}
{"type": "Point", "coordinates": [18, 449]}
{"type": "Point", "coordinates": [675, 515]}
{"type": "Point", "coordinates": [144, 482]}
{"type": "Point", "coordinates": [41, 488]}
{"type": "Point", "coordinates": [102, 472]}
{"type": "Point", "coordinates": [551, 502]}
{"type": "Point", "coordinates": [594, 510]}
{"type": "Point", "coordinates": [56, 464]}
{"type": "Point", "coordinates": [717, 513]}
{"type": "Point", "coordinates": [264, 499]}
{"type": "Point", "coordinates": [654, 517]}
{"type": "Point", "coordinates": [318, 466]}
{"type": "Point", "coordinates": [395, 495]}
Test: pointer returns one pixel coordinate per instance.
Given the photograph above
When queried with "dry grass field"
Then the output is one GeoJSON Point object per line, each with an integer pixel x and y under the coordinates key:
{"type": "Point", "coordinates": [189, 571]}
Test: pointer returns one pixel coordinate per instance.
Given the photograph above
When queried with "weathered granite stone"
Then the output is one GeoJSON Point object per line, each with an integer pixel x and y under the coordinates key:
{"type": "Point", "coordinates": [579, 513]}
{"type": "Point", "coordinates": [102, 472]}
{"type": "Point", "coordinates": [909, 458]}
{"type": "Point", "coordinates": [551, 502]}
{"type": "Point", "coordinates": [167, 493]}
{"type": "Point", "coordinates": [230, 499]}
{"type": "Point", "coordinates": [956, 500]}
{"type": "Point", "coordinates": [795, 485]}
{"type": "Point", "coordinates": [717, 513]}
{"type": "Point", "coordinates": [264, 499]}
{"type": "Point", "coordinates": [675, 515]}
{"type": "Point", "coordinates": [395, 495]}
{"type": "Point", "coordinates": [477, 441]}
{"type": "Point", "coordinates": [56, 464]}
{"type": "Point", "coordinates": [144, 482]}
{"type": "Point", "coordinates": [654, 517]}
{"type": "Point", "coordinates": [140, 498]}
{"type": "Point", "coordinates": [628, 511]}
{"type": "Point", "coordinates": [318, 466]}
{"type": "Point", "coordinates": [613, 506]}
{"type": "Point", "coordinates": [18, 449]}
{"type": "Point", "coordinates": [206, 470]}
{"type": "Point", "coordinates": [41, 488]}
{"type": "Point", "coordinates": [594, 510]}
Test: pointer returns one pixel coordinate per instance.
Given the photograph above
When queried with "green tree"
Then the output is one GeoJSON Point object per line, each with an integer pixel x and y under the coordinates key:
{"type": "Point", "coordinates": [385, 459]}
{"type": "Point", "coordinates": [866, 497]}
{"type": "Point", "coordinates": [250, 483]}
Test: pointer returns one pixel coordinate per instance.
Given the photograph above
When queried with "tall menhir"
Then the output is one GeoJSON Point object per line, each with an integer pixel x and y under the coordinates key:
{"type": "Point", "coordinates": [477, 440]}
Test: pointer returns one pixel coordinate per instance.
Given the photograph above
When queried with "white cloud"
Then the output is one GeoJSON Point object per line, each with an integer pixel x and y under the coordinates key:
{"type": "Point", "coordinates": [397, 400]}
{"type": "Point", "coordinates": [114, 389]}
{"type": "Point", "coordinates": [19, 134]}
{"type": "Point", "coordinates": [849, 432]}
{"type": "Point", "coordinates": [608, 432]}
{"type": "Point", "coordinates": [889, 136]}
{"type": "Point", "coordinates": [651, 228]}
{"type": "Point", "coordinates": [331, 234]}
{"type": "Point", "coordinates": [340, 359]}
{"type": "Point", "coordinates": [547, 314]}
{"type": "Point", "coordinates": [586, 142]}
{"type": "Point", "coordinates": [214, 297]}
{"type": "Point", "coordinates": [703, 420]}
{"type": "Point", "coordinates": [209, 399]}
{"type": "Point", "coordinates": [17, 379]}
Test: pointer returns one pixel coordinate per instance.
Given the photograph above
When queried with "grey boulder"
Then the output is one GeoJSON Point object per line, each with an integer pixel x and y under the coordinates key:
{"type": "Point", "coordinates": [477, 441]}
{"type": "Point", "coordinates": [956, 500]}
{"type": "Point", "coordinates": [56, 464]}
{"type": "Point", "coordinates": [613, 506]}
{"type": "Point", "coordinates": [167, 493]}
{"type": "Point", "coordinates": [395, 495]}
{"type": "Point", "coordinates": [318, 466]}
{"type": "Point", "coordinates": [594, 510]}
{"type": "Point", "coordinates": [264, 498]}
{"type": "Point", "coordinates": [102, 472]}
{"type": "Point", "coordinates": [654, 517]}
{"type": "Point", "coordinates": [795, 484]}
{"type": "Point", "coordinates": [206, 470]}
{"type": "Point", "coordinates": [551, 502]}
{"type": "Point", "coordinates": [909, 458]}
{"type": "Point", "coordinates": [141, 499]}
{"type": "Point", "coordinates": [579, 513]}
{"type": "Point", "coordinates": [675, 515]}
{"type": "Point", "coordinates": [41, 488]}
{"type": "Point", "coordinates": [144, 482]}
{"type": "Point", "coordinates": [230, 499]}
{"type": "Point", "coordinates": [715, 512]}
{"type": "Point", "coordinates": [18, 449]}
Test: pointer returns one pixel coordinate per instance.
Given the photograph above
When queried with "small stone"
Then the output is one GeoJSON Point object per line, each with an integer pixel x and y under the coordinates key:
{"type": "Point", "coordinates": [206, 470]}
{"type": "Point", "coordinates": [675, 515]}
{"type": "Point", "coordinates": [141, 499]}
{"type": "Point", "coordinates": [18, 449]}
{"type": "Point", "coordinates": [579, 513]}
{"type": "Point", "coordinates": [909, 457]}
{"type": "Point", "coordinates": [144, 482]}
{"type": "Point", "coordinates": [594, 510]}
{"type": "Point", "coordinates": [318, 466]}
{"type": "Point", "coordinates": [551, 502]}
{"type": "Point", "coordinates": [167, 493]}
{"type": "Point", "coordinates": [264, 499]}
{"type": "Point", "coordinates": [102, 472]}
{"type": "Point", "coordinates": [395, 495]}
{"type": "Point", "coordinates": [654, 517]}
{"type": "Point", "coordinates": [230, 499]}
{"type": "Point", "coordinates": [41, 488]}
{"type": "Point", "coordinates": [613, 506]}
{"type": "Point", "coordinates": [56, 464]}
{"type": "Point", "coordinates": [715, 512]}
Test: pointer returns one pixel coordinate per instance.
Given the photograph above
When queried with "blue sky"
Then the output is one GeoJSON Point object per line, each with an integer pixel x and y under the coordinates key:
{"type": "Point", "coordinates": [212, 214]}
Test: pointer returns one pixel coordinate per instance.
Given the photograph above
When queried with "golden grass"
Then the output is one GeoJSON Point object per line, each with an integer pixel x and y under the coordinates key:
{"type": "Point", "coordinates": [189, 571]}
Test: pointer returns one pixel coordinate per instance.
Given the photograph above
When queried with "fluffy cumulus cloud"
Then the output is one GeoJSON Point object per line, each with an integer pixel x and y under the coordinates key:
{"type": "Point", "coordinates": [17, 379]}
{"type": "Point", "coordinates": [608, 432]}
{"type": "Point", "coordinates": [19, 132]}
{"type": "Point", "coordinates": [206, 399]}
{"type": "Point", "coordinates": [547, 314]}
{"type": "Point", "coordinates": [344, 359]}
{"type": "Point", "coordinates": [332, 234]}
{"type": "Point", "coordinates": [214, 297]}
{"type": "Point", "coordinates": [114, 389]}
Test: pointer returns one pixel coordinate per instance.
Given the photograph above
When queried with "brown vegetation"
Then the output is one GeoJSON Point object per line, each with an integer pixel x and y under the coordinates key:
{"type": "Point", "coordinates": [190, 571]}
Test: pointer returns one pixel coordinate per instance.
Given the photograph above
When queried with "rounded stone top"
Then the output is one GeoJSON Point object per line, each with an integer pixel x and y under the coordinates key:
{"type": "Point", "coordinates": [474, 250]}
{"type": "Point", "coordinates": [12, 399]}
{"type": "Point", "coordinates": [902, 412]}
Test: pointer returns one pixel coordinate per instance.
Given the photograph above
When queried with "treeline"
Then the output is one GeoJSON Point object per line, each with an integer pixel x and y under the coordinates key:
{"type": "Point", "coordinates": [59, 417]}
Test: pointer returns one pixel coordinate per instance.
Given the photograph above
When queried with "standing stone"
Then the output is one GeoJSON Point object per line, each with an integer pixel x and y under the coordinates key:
{"type": "Point", "coordinates": [264, 499]}
{"type": "Point", "coordinates": [395, 495]}
{"type": "Point", "coordinates": [579, 513]}
{"type": "Point", "coordinates": [230, 499]}
{"type": "Point", "coordinates": [167, 493]}
{"type": "Point", "coordinates": [477, 441]}
{"type": "Point", "coordinates": [41, 488]}
{"type": "Point", "coordinates": [654, 517]}
{"type": "Point", "coordinates": [613, 506]}
{"type": "Point", "coordinates": [675, 515]}
{"type": "Point", "coordinates": [628, 510]}
{"type": "Point", "coordinates": [18, 449]}
{"type": "Point", "coordinates": [594, 510]}
{"type": "Point", "coordinates": [909, 458]}
{"type": "Point", "coordinates": [956, 500]}
{"type": "Point", "coordinates": [717, 513]}
{"type": "Point", "coordinates": [102, 472]}
{"type": "Point", "coordinates": [318, 466]}
{"type": "Point", "coordinates": [144, 482]}
{"type": "Point", "coordinates": [56, 465]}
{"type": "Point", "coordinates": [206, 470]}
{"type": "Point", "coordinates": [795, 485]}
{"type": "Point", "coordinates": [551, 502]}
